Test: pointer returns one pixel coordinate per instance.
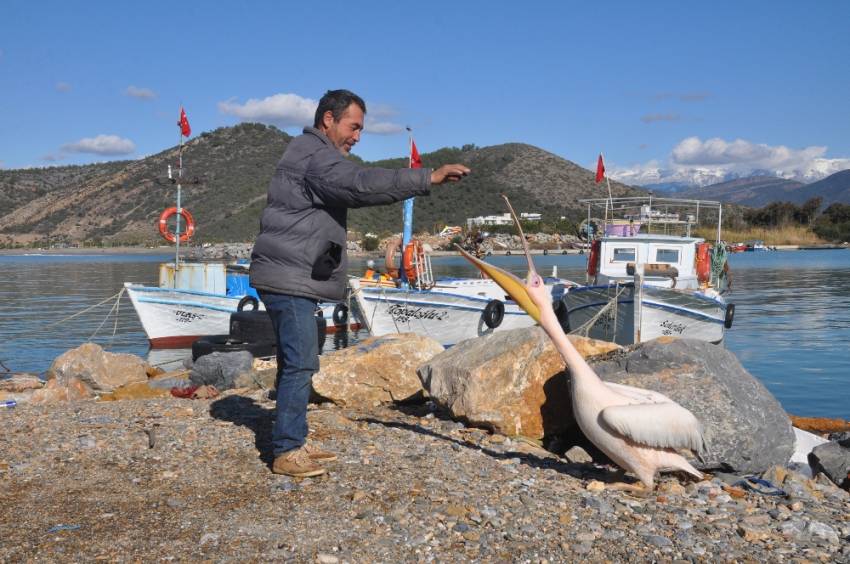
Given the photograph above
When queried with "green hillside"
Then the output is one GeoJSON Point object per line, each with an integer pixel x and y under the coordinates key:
{"type": "Point", "coordinates": [226, 175]}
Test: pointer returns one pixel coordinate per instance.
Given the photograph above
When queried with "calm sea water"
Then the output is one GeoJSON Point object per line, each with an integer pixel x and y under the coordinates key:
{"type": "Point", "coordinates": [792, 321]}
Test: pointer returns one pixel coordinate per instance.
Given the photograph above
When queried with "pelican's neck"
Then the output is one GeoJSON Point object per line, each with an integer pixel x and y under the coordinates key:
{"type": "Point", "coordinates": [580, 371]}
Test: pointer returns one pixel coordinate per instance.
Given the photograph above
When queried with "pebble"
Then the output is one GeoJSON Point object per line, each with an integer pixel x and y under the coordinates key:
{"type": "Point", "coordinates": [658, 540]}
{"type": "Point", "coordinates": [431, 493]}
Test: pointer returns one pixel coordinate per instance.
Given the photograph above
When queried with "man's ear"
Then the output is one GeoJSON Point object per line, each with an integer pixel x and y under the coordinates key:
{"type": "Point", "coordinates": [328, 119]}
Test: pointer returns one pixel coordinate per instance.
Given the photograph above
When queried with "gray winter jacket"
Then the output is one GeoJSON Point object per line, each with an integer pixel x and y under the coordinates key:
{"type": "Point", "coordinates": [300, 250]}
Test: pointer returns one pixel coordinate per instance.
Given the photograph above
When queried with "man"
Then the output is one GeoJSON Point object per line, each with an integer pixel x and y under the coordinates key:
{"type": "Point", "coordinates": [299, 257]}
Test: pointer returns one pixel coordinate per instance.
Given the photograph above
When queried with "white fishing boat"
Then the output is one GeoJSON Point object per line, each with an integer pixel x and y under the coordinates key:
{"type": "Point", "coordinates": [192, 300]}
{"type": "Point", "coordinates": [656, 280]}
{"type": "Point", "coordinates": [449, 310]}
{"type": "Point", "coordinates": [197, 300]}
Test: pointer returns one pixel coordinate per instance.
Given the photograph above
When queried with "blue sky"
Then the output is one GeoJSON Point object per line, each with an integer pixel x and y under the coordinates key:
{"type": "Point", "coordinates": [667, 90]}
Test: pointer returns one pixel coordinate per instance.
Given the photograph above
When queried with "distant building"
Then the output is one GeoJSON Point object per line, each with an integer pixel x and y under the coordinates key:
{"type": "Point", "coordinates": [501, 219]}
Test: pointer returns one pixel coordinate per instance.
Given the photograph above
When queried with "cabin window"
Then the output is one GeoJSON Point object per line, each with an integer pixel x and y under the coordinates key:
{"type": "Point", "coordinates": [670, 256]}
{"type": "Point", "coordinates": [624, 255]}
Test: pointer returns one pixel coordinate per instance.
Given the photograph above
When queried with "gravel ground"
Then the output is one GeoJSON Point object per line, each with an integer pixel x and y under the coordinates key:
{"type": "Point", "coordinates": [178, 479]}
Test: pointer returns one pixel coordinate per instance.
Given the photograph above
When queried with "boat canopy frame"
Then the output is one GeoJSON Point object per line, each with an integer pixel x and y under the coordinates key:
{"type": "Point", "coordinates": [637, 205]}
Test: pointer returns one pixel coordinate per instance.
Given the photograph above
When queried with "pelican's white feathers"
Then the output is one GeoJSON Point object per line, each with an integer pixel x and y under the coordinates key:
{"type": "Point", "coordinates": [663, 425]}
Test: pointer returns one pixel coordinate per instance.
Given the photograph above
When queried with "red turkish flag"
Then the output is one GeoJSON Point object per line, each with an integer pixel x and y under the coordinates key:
{"type": "Point", "coordinates": [184, 123]}
{"type": "Point", "coordinates": [415, 161]}
{"type": "Point", "coordinates": [600, 169]}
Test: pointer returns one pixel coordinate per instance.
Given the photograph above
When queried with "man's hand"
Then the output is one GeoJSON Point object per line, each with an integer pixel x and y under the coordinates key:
{"type": "Point", "coordinates": [449, 173]}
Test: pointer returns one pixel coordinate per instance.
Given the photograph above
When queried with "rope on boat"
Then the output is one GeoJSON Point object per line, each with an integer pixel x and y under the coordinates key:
{"type": "Point", "coordinates": [718, 264]}
{"type": "Point", "coordinates": [584, 329]}
{"type": "Point", "coordinates": [72, 316]}
{"type": "Point", "coordinates": [115, 308]}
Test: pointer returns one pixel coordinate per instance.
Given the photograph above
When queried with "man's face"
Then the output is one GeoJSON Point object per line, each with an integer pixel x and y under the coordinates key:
{"type": "Point", "coordinates": [345, 133]}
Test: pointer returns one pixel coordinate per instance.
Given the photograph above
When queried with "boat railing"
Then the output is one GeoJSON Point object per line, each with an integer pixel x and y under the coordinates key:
{"type": "Point", "coordinates": [625, 216]}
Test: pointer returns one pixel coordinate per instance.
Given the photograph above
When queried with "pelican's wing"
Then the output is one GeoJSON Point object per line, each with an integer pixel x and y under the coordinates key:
{"type": "Point", "coordinates": [664, 425]}
{"type": "Point", "coordinates": [639, 395]}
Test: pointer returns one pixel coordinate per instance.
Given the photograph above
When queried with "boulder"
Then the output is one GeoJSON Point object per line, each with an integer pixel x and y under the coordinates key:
{"type": "Point", "coordinates": [265, 379]}
{"type": "Point", "coordinates": [21, 383]}
{"type": "Point", "coordinates": [376, 370]}
{"type": "Point", "coordinates": [745, 426]}
{"type": "Point", "coordinates": [511, 382]}
{"type": "Point", "coordinates": [221, 369]}
{"type": "Point", "coordinates": [61, 389]}
{"type": "Point", "coordinates": [98, 369]}
{"type": "Point", "coordinates": [833, 459]}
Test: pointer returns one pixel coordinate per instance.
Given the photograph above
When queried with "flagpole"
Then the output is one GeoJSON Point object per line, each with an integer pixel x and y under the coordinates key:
{"type": "Point", "coordinates": [610, 199]}
{"type": "Point", "coordinates": [407, 230]}
{"type": "Point", "coordinates": [179, 209]}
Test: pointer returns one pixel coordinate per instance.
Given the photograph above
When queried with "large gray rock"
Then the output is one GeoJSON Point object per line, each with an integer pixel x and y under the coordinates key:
{"type": "Point", "coordinates": [376, 370]}
{"type": "Point", "coordinates": [511, 382]}
{"type": "Point", "coordinates": [833, 459]}
{"type": "Point", "coordinates": [743, 423]}
{"type": "Point", "coordinates": [98, 369]}
{"type": "Point", "coordinates": [221, 369]}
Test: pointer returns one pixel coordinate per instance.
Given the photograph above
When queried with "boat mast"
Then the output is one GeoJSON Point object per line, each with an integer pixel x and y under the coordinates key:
{"type": "Point", "coordinates": [719, 220]}
{"type": "Point", "coordinates": [179, 209]}
{"type": "Point", "coordinates": [407, 229]}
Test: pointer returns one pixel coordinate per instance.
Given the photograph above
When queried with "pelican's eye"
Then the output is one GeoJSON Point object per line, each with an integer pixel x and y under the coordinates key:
{"type": "Point", "coordinates": [535, 281]}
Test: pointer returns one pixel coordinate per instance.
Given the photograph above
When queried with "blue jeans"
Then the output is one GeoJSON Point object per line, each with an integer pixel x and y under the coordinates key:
{"type": "Point", "coordinates": [293, 318]}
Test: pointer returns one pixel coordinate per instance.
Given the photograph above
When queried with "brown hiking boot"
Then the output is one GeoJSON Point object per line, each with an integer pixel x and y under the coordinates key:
{"type": "Point", "coordinates": [317, 454]}
{"type": "Point", "coordinates": [296, 463]}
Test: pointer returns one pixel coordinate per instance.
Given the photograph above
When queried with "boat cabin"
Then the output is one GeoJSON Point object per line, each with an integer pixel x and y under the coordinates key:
{"type": "Point", "coordinates": [667, 261]}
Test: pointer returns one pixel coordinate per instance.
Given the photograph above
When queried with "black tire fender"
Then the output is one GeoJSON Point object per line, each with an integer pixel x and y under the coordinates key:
{"type": "Point", "coordinates": [545, 251]}
{"type": "Point", "coordinates": [507, 253]}
{"type": "Point", "coordinates": [340, 316]}
{"type": "Point", "coordinates": [493, 314]}
{"type": "Point", "coordinates": [224, 343]}
{"type": "Point", "coordinates": [248, 300]}
{"type": "Point", "coordinates": [563, 315]}
{"type": "Point", "coordinates": [322, 330]}
{"type": "Point", "coordinates": [730, 316]}
{"type": "Point", "coordinates": [252, 327]}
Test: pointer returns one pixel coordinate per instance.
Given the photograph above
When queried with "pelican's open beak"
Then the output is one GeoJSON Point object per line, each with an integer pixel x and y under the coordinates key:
{"type": "Point", "coordinates": [512, 285]}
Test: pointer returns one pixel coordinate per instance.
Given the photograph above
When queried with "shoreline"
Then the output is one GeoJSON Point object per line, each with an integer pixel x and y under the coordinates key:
{"type": "Point", "coordinates": [188, 252]}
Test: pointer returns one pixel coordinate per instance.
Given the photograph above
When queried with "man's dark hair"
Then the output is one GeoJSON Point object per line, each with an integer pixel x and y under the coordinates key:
{"type": "Point", "coordinates": [336, 101]}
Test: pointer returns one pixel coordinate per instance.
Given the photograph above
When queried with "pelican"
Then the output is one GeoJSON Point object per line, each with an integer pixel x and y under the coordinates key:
{"type": "Point", "coordinates": [638, 429]}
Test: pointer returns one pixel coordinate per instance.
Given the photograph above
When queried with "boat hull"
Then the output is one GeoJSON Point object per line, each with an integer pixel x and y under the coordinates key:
{"type": "Point", "coordinates": [654, 312]}
{"type": "Point", "coordinates": [451, 312]}
{"type": "Point", "coordinates": [174, 318]}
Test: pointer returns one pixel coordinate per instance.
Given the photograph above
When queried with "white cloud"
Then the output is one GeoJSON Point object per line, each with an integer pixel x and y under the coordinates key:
{"type": "Point", "coordinates": [695, 96]}
{"type": "Point", "coordinates": [694, 161]}
{"type": "Point", "coordinates": [63, 87]}
{"type": "Point", "coordinates": [379, 120]}
{"type": "Point", "coordinates": [373, 125]}
{"type": "Point", "coordinates": [650, 118]}
{"type": "Point", "coordinates": [101, 145]}
{"type": "Point", "coordinates": [292, 110]}
{"type": "Point", "coordinates": [142, 93]}
{"type": "Point", "coordinates": [286, 110]}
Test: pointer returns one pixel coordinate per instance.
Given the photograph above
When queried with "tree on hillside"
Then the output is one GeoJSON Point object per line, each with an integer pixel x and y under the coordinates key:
{"type": "Point", "coordinates": [834, 223]}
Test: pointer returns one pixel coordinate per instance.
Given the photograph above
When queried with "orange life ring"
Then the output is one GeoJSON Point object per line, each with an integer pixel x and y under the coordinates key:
{"type": "Point", "coordinates": [168, 235]}
{"type": "Point", "coordinates": [593, 259]}
{"type": "Point", "coordinates": [413, 255]}
{"type": "Point", "coordinates": [703, 262]}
